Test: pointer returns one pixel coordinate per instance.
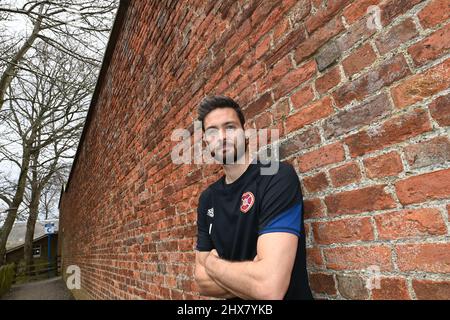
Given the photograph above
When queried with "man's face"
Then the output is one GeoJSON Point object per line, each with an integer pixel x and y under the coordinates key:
{"type": "Point", "coordinates": [224, 135]}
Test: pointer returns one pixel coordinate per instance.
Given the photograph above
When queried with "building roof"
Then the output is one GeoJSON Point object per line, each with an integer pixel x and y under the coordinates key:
{"type": "Point", "coordinates": [17, 236]}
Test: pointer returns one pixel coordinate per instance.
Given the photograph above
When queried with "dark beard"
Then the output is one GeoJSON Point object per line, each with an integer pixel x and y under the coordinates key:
{"type": "Point", "coordinates": [223, 159]}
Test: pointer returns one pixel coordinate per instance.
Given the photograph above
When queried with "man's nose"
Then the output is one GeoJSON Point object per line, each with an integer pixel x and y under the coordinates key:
{"type": "Point", "coordinates": [222, 135]}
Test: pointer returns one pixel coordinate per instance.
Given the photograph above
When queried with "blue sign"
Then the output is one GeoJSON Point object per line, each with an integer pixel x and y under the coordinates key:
{"type": "Point", "coordinates": [49, 228]}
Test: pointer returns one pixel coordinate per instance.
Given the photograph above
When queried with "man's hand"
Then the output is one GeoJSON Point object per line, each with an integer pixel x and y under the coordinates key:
{"type": "Point", "coordinates": [214, 253]}
{"type": "Point", "coordinates": [210, 261]}
{"type": "Point", "coordinates": [207, 285]}
{"type": "Point", "coordinates": [266, 277]}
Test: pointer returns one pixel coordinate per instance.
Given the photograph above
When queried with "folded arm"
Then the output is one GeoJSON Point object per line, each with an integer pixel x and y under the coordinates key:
{"type": "Point", "coordinates": [266, 277]}
{"type": "Point", "coordinates": [207, 285]}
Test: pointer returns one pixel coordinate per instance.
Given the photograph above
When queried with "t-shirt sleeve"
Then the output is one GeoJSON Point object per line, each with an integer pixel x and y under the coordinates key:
{"type": "Point", "coordinates": [282, 203]}
{"type": "Point", "coordinates": [204, 242]}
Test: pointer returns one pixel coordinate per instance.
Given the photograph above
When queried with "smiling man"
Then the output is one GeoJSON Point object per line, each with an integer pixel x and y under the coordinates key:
{"type": "Point", "coordinates": [251, 239]}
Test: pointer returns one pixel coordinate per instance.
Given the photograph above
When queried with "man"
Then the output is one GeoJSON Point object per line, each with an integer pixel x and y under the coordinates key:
{"type": "Point", "coordinates": [251, 239]}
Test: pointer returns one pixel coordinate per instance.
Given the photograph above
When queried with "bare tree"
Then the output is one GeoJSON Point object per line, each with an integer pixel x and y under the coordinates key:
{"type": "Point", "coordinates": [47, 74]}
{"type": "Point", "coordinates": [44, 124]}
{"type": "Point", "coordinates": [50, 194]}
{"type": "Point", "coordinates": [78, 28]}
{"type": "Point", "coordinates": [41, 173]}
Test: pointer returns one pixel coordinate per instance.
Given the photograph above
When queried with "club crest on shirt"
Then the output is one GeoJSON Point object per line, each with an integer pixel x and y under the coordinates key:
{"type": "Point", "coordinates": [247, 201]}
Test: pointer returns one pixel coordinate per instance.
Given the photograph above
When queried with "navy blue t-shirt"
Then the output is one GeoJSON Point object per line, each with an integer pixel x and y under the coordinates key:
{"type": "Point", "coordinates": [232, 216]}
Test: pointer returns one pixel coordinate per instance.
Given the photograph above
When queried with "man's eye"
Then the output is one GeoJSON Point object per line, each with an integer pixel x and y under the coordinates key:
{"type": "Point", "coordinates": [230, 127]}
{"type": "Point", "coordinates": [211, 133]}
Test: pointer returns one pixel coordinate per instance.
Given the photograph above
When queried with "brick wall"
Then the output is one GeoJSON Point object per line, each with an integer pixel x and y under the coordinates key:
{"type": "Point", "coordinates": [363, 110]}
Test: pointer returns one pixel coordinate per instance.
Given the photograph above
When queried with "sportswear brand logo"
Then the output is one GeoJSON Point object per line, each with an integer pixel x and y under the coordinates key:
{"type": "Point", "coordinates": [210, 212]}
{"type": "Point", "coordinates": [248, 199]}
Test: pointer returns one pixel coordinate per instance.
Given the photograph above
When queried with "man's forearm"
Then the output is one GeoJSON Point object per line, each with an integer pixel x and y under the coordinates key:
{"type": "Point", "coordinates": [210, 287]}
{"type": "Point", "coordinates": [242, 278]}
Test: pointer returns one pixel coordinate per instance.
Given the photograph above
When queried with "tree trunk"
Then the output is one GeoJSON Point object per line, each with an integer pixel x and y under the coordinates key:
{"type": "Point", "coordinates": [14, 207]}
{"type": "Point", "coordinates": [32, 218]}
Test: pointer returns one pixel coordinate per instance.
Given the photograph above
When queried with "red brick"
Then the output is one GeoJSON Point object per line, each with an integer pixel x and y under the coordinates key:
{"type": "Point", "coordinates": [358, 201]}
{"type": "Point", "coordinates": [281, 30]}
{"type": "Point", "coordinates": [431, 152]}
{"type": "Point", "coordinates": [385, 165]}
{"type": "Point", "coordinates": [314, 258]}
{"type": "Point", "coordinates": [352, 287]}
{"type": "Point", "coordinates": [325, 155]}
{"type": "Point", "coordinates": [376, 78]}
{"type": "Point", "coordinates": [392, 131]}
{"type": "Point", "coordinates": [357, 32]}
{"type": "Point", "coordinates": [316, 183]}
{"type": "Point", "coordinates": [393, 8]}
{"type": "Point", "coordinates": [295, 78]}
{"type": "Point", "coordinates": [431, 289]}
{"type": "Point", "coordinates": [260, 13]}
{"type": "Point", "coordinates": [274, 74]}
{"type": "Point", "coordinates": [263, 121]}
{"type": "Point", "coordinates": [346, 174]}
{"type": "Point", "coordinates": [358, 9]}
{"type": "Point", "coordinates": [358, 257]}
{"type": "Point", "coordinates": [299, 11]}
{"type": "Point", "coordinates": [424, 187]}
{"type": "Point", "coordinates": [428, 257]}
{"type": "Point", "coordinates": [247, 95]}
{"type": "Point", "coordinates": [364, 113]}
{"type": "Point", "coordinates": [316, 3]}
{"type": "Point", "coordinates": [234, 74]}
{"type": "Point", "coordinates": [432, 47]}
{"type": "Point", "coordinates": [302, 97]}
{"type": "Point", "coordinates": [328, 81]}
{"type": "Point", "coordinates": [309, 114]}
{"type": "Point", "coordinates": [308, 47]}
{"type": "Point", "coordinates": [391, 289]}
{"type": "Point", "coordinates": [410, 223]}
{"type": "Point", "coordinates": [281, 109]}
{"type": "Point", "coordinates": [422, 85]}
{"type": "Point", "coordinates": [298, 142]}
{"type": "Point", "coordinates": [359, 59]}
{"type": "Point", "coordinates": [327, 55]}
{"type": "Point", "coordinates": [324, 14]}
{"type": "Point", "coordinates": [435, 12]}
{"type": "Point", "coordinates": [290, 42]}
{"type": "Point", "coordinates": [262, 47]}
{"type": "Point", "coordinates": [440, 111]}
{"type": "Point", "coordinates": [272, 12]}
{"type": "Point", "coordinates": [258, 106]}
{"type": "Point", "coordinates": [342, 231]}
{"type": "Point", "coordinates": [322, 283]}
{"type": "Point", "coordinates": [313, 209]}
{"type": "Point", "coordinates": [253, 73]}
{"type": "Point", "coordinates": [241, 33]}
{"type": "Point", "coordinates": [397, 35]}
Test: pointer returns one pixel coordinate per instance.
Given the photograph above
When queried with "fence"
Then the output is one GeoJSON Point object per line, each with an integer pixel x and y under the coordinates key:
{"type": "Point", "coordinates": [38, 270]}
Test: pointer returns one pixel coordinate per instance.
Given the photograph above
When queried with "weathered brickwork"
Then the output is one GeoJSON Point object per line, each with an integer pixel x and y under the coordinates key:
{"type": "Point", "coordinates": [363, 111]}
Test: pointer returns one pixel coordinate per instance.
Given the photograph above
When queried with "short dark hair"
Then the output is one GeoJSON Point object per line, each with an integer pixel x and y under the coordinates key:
{"type": "Point", "coordinates": [211, 103]}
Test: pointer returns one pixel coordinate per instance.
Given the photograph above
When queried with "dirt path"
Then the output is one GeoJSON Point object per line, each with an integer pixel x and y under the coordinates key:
{"type": "Point", "coordinates": [51, 289]}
